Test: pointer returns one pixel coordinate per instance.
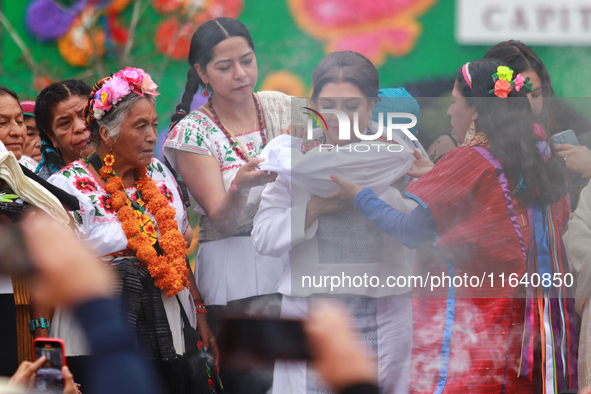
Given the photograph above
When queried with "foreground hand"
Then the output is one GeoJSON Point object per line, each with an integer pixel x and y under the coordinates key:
{"type": "Point", "coordinates": [420, 166]}
{"type": "Point", "coordinates": [70, 387]}
{"type": "Point", "coordinates": [66, 272]}
{"type": "Point", "coordinates": [26, 373]}
{"type": "Point", "coordinates": [576, 158]}
{"type": "Point", "coordinates": [338, 356]}
{"type": "Point", "coordinates": [296, 131]}
{"type": "Point", "coordinates": [209, 342]}
{"type": "Point", "coordinates": [347, 192]}
{"type": "Point", "coordinates": [248, 176]}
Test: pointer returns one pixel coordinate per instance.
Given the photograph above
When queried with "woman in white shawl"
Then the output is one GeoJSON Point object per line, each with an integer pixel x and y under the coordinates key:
{"type": "Point", "coordinates": [326, 239]}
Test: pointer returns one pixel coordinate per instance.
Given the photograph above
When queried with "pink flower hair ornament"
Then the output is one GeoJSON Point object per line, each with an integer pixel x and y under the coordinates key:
{"type": "Point", "coordinates": [110, 90]}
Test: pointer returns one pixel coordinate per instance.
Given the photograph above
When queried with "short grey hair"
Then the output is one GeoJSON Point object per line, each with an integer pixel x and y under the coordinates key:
{"type": "Point", "coordinates": [113, 119]}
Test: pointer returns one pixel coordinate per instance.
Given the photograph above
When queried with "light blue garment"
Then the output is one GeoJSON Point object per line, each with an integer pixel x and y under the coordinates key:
{"type": "Point", "coordinates": [399, 100]}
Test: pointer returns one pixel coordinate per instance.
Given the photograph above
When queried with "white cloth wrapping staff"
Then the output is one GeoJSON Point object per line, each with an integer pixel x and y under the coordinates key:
{"type": "Point", "coordinates": [371, 165]}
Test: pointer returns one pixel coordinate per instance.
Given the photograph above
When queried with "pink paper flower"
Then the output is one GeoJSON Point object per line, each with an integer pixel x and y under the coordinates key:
{"type": "Point", "coordinates": [519, 82]}
{"type": "Point", "coordinates": [119, 88]}
{"type": "Point", "coordinates": [148, 85]}
{"type": "Point", "coordinates": [134, 76]}
{"type": "Point", "coordinates": [102, 99]}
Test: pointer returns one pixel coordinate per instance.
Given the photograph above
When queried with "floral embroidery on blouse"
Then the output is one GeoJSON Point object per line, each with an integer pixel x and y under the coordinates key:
{"type": "Point", "coordinates": [198, 133]}
{"type": "Point", "coordinates": [79, 177]}
{"type": "Point", "coordinates": [308, 145]}
{"type": "Point", "coordinates": [28, 163]}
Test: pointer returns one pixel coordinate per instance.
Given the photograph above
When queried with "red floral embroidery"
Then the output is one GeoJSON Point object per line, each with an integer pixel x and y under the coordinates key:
{"type": "Point", "coordinates": [311, 144]}
{"type": "Point", "coordinates": [85, 184]}
{"type": "Point", "coordinates": [249, 146]}
{"type": "Point", "coordinates": [166, 193]}
{"type": "Point", "coordinates": [105, 201]}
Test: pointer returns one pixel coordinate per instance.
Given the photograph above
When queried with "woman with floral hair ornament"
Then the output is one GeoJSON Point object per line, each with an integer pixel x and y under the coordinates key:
{"type": "Point", "coordinates": [494, 209]}
{"type": "Point", "coordinates": [132, 215]}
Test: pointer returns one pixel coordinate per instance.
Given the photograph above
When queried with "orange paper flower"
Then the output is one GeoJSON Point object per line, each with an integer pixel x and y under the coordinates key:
{"type": "Point", "coordinates": [502, 88]}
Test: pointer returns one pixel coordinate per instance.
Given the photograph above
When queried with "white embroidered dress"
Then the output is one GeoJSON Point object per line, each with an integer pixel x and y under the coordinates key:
{"type": "Point", "coordinates": [227, 269]}
{"type": "Point", "coordinates": [97, 224]}
{"type": "Point", "coordinates": [28, 163]}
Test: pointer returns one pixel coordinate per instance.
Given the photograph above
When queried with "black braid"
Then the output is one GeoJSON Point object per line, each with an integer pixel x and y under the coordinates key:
{"type": "Point", "coordinates": [184, 107]}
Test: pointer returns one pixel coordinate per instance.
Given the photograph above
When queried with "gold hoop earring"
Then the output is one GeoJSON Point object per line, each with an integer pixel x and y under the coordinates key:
{"type": "Point", "coordinates": [471, 132]}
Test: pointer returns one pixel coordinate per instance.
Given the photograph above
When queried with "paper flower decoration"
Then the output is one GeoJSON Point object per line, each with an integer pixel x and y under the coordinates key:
{"type": "Point", "coordinates": [519, 82]}
{"type": "Point", "coordinates": [82, 30]}
{"type": "Point", "coordinates": [502, 88]}
{"type": "Point", "coordinates": [173, 37]}
{"type": "Point", "coordinates": [504, 72]}
{"type": "Point", "coordinates": [373, 28]}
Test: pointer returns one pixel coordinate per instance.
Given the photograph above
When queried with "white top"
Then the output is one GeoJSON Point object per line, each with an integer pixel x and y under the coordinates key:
{"type": "Point", "coordinates": [227, 269]}
{"type": "Point", "coordinates": [28, 163]}
{"type": "Point", "coordinates": [279, 226]}
{"type": "Point", "coordinates": [98, 225]}
{"type": "Point", "coordinates": [96, 222]}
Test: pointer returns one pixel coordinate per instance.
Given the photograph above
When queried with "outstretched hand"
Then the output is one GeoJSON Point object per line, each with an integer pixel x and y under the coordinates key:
{"type": "Point", "coordinates": [420, 166]}
{"type": "Point", "coordinates": [347, 192]}
{"type": "Point", "coordinates": [249, 176]}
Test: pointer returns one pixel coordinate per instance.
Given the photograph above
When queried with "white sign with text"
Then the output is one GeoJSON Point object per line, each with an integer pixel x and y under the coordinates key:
{"type": "Point", "coordinates": [535, 22]}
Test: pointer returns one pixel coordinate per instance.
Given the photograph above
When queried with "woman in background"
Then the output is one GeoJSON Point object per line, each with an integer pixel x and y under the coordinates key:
{"type": "Point", "coordinates": [33, 140]}
{"type": "Point", "coordinates": [60, 120]}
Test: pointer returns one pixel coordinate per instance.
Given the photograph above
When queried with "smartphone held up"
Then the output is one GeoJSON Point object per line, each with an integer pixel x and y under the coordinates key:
{"type": "Point", "coordinates": [248, 343]}
{"type": "Point", "coordinates": [49, 375]}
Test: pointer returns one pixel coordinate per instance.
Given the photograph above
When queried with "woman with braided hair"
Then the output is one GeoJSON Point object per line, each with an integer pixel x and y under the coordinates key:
{"type": "Point", "coordinates": [60, 121]}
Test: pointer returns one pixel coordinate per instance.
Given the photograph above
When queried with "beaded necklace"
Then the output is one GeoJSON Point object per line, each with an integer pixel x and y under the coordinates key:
{"type": "Point", "coordinates": [233, 143]}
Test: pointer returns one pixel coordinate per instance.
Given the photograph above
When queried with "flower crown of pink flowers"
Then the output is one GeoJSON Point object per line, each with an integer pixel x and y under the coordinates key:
{"type": "Point", "coordinates": [110, 90]}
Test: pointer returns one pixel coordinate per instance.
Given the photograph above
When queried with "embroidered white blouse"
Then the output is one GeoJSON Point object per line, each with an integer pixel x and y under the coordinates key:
{"type": "Point", "coordinates": [28, 162]}
{"type": "Point", "coordinates": [96, 221]}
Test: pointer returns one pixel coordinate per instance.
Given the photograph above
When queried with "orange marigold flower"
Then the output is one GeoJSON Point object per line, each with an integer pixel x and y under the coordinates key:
{"type": "Point", "coordinates": [118, 200]}
{"type": "Point", "coordinates": [141, 172]}
{"type": "Point", "coordinates": [113, 185]}
{"type": "Point", "coordinates": [126, 214]}
{"type": "Point", "coordinates": [172, 243]}
{"type": "Point", "coordinates": [146, 253]}
{"type": "Point", "coordinates": [131, 228]}
{"type": "Point", "coordinates": [166, 226]}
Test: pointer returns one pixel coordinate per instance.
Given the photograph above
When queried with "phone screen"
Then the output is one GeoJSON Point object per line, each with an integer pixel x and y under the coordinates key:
{"type": "Point", "coordinates": [49, 376]}
{"type": "Point", "coordinates": [248, 342]}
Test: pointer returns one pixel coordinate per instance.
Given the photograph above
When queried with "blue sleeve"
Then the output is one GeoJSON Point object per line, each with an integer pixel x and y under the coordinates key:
{"type": "Point", "coordinates": [117, 365]}
{"type": "Point", "coordinates": [411, 230]}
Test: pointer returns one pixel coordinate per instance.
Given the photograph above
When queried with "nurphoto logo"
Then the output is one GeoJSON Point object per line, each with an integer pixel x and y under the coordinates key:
{"type": "Point", "coordinates": [345, 124]}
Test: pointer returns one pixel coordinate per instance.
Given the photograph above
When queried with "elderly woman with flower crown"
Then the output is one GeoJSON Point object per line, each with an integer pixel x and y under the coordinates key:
{"type": "Point", "coordinates": [132, 214]}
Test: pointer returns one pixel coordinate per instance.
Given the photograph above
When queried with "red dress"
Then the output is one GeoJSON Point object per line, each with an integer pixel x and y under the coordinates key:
{"type": "Point", "coordinates": [477, 236]}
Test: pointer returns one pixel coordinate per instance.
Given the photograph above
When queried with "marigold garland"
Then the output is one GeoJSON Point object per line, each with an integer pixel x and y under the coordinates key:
{"type": "Point", "coordinates": [170, 270]}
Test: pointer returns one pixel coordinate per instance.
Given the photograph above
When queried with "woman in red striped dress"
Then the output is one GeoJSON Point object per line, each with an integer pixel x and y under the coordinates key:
{"type": "Point", "coordinates": [494, 210]}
